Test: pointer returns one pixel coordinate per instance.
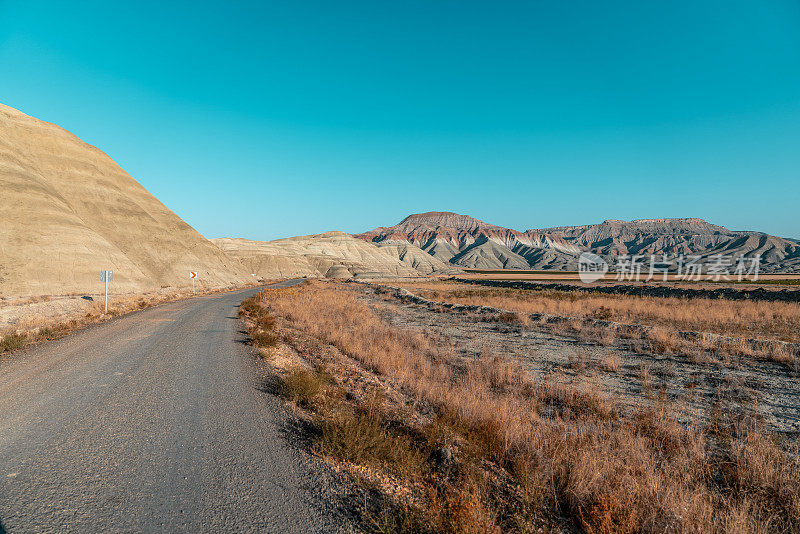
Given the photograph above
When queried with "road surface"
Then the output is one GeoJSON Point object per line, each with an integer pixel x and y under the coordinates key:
{"type": "Point", "coordinates": [152, 422]}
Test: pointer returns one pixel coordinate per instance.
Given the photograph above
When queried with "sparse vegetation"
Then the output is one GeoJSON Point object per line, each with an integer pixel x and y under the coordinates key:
{"type": "Point", "coordinates": [524, 453]}
{"type": "Point", "coordinates": [770, 320]}
{"type": "Point", "coordinates": [263, 339]}
{"type": "Point", "coordinates": [611, 362]}
{"type": "Point", "coordinates": [12, 341]}
{"type": "Point", "coordinates": [508, 317]}
{"type": "Point", "coordinates": [261, 323]}
{"type": "Point", "coordinates": [744, 328]}
{"type": "Point", "coordinates": [364, 438]}
{"type": "Point", "coordinates": [302, 386]}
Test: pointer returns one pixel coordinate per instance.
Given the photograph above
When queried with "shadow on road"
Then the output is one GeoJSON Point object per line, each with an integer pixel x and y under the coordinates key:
{"type": "Point", "coordinates": [297, 431]}
{"type": "Point", "coordinates": [269, 384]}
{"type": "Point", "coordinates": [2, 528]}
{"type": "Point", "coordinates": [301, 435]}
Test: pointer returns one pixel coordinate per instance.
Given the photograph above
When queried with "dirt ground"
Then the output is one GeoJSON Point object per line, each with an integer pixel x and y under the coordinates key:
{"type": "Point", "coordinates": [624, 372]}
{"type": "Point", "coordinates": [19, 313]}
{"type": "Point", "coordinates": [27, 314]}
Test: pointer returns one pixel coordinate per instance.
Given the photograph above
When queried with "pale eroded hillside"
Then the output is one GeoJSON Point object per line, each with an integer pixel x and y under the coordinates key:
{"type": "Point", "coordinates": [67, 211]}
{"type": "Point", "coordinates": [331, 255]}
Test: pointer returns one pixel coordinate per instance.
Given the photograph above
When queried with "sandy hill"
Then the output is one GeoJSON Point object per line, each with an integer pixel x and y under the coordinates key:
{"type": "Point", "coordinates": [332, 255]}
{"type": "Point", "coordinates": [67, 211]}
{"type": "Point", "coordinates": [468, 242]}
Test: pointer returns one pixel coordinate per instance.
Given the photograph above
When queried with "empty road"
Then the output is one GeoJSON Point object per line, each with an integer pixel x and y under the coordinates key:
{"type": "Point", "coordinates": [152, 422]}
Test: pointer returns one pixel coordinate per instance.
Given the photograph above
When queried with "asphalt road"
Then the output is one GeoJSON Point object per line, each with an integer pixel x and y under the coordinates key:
{"type": "Point", "coordinates": [152, 422]}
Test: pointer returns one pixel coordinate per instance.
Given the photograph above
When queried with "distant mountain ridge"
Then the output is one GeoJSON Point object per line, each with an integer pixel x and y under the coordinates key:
{"type": "Point", "coordinates": [468, 242]}
{"type": "Point", "coordinates": [688, 236]}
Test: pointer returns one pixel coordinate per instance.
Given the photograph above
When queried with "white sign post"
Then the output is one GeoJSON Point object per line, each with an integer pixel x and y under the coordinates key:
{"type": "Point", "coordinates": [106, 276]}
{"type": "Point", "coordinates": [193, 275]}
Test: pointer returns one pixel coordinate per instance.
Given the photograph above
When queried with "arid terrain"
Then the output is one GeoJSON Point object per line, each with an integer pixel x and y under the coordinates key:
{"type": "Point", "coordinates": [471, 243]}
{"type": "Point", "coordinates": [786, 280]}
{"type": "Point", "coordinates": [688, 348]}
{"type": "Point", "coordinates": [424, 372]}
{"type": "Point", "coordinates": [400, 267]}
{"type": "Point", "coordinates": [456, 408]}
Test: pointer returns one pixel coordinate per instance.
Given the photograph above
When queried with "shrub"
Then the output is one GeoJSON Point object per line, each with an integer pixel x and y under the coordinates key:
{"type": "Point", "coordinates": [610, 362]}
{"type": "Point", "coordinates": [390, 518]}
{"type": "Point", "coordinates": [603, 313]}
{"type": "Point", "coordinates": [363, 440]}
{"type": "Point", "coordinates": [265, 321]}
{"type": "Point", "coordinates": [49, 332]}
{"type": "Point", "coordinates": [302, 386]}
{"type": "Point", "coordinates": [12, 341]}
{"type": "Point", "coordinates": [249, 307]}
{"type": "Point", "coordinates": [263, 339]}
{"type": "Point", "coordinates": [507, 317]}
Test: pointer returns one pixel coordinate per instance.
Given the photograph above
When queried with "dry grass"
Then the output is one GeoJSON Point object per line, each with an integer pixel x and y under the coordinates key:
{"type": "Point", "coordinates": [768, 320]}
{"type": "Point", "coordinates": [302, 386]}
{"type": "Point", "coordinates": [508, 317]}
{"type": "Point", "coordinates": [264, 339]}
{"type": "Point", "coordinates": [12, 341]}
{"type": "Point", "coordinates": [748, 328]}
{"type": "Point", "coordinates": [611, 362]}
{"type": "Point", "coordinates": [568, 451]}
{"type": "Point", "coordinates": [364, 438]}
{"type": "Point", "coordinates": [261, 325]}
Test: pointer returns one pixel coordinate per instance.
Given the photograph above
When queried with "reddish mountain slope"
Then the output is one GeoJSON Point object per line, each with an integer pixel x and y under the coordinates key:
{"type": "Point", "coordinates": [469, 242]}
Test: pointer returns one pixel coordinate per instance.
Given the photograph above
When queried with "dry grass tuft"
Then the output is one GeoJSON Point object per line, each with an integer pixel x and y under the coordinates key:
{"type": "Point", "coordinates": [261, 324]}
{"type": "Point", "coordinates": [264, 339]}
{"type": "Point", "coordinates": [362, 438]}
{"type": "Point", "coordinates": [508, 317]}
{"type": "Point", "coordinates": [610, 362]}
{"type": "Point", "coordinates": [13, 341]}
{"type": "Point", "coordinates": [302, 386]}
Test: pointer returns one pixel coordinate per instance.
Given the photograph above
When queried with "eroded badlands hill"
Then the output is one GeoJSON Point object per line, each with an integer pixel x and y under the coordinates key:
{"type": "Point", "coordinates": [687, 236]}
{"type": "Point", "coordinates": [67, 211]}
{"type": "Point", "coordinates": [468, 242]}
{"type": "Point", "coordinates": [331, 255]}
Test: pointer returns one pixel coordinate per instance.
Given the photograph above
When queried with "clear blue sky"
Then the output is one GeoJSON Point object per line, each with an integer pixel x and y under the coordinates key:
{"type": "Point", "coordinates": [271, 119]}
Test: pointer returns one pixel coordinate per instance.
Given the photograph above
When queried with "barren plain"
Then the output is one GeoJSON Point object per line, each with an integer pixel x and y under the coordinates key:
{"type": "Point", "coordinates": [456, 408]}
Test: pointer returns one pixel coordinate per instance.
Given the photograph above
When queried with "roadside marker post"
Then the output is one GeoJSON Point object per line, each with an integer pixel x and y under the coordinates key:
{"type": "Point", "coordinates": [193, 275]}
{"type": "Point", "coordinates": [106, 276]}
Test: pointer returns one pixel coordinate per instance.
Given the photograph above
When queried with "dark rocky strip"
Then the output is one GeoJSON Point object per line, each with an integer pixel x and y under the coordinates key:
{"type": "Point", "coordinates": [725, 293]}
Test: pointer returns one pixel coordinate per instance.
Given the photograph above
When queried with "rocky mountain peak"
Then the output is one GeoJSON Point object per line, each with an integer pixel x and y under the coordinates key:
{"type": "Point", "coordinates": [442, 219]}
{"type": "Point", "coordinates": [468, 242]}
